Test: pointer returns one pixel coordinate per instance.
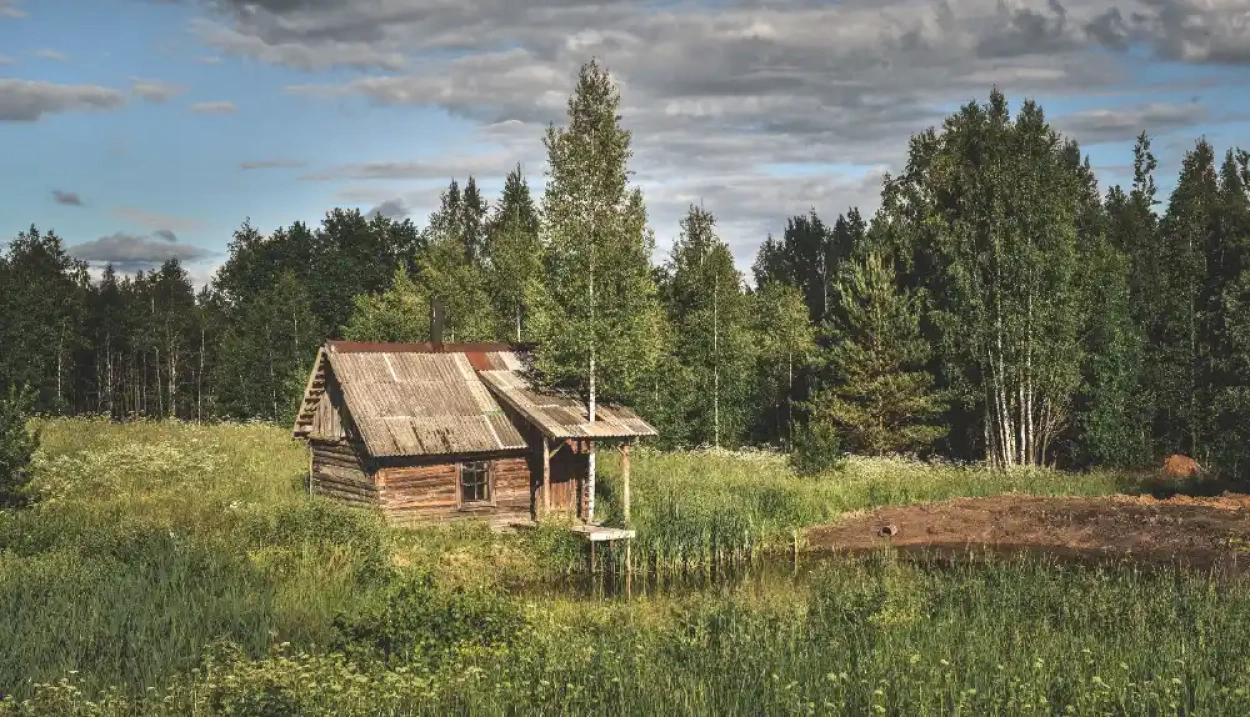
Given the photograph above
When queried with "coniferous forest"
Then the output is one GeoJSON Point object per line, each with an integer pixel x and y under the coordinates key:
{"type": "Point", "coordinates": [1000, 305]}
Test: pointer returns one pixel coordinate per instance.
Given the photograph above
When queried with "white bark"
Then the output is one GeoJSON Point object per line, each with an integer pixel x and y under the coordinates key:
{"type": "Point", "coordinates": [716, 361]}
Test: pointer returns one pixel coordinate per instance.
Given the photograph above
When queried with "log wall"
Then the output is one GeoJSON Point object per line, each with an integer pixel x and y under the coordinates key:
{"type": "Point", "coordinates": [337, 472]}
{"type": "Point", "coordinates": [428, 491]}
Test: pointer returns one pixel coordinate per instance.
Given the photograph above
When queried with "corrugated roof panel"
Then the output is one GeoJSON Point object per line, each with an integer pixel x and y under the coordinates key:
{"type": "Point", "coordinates": [417, 400]}
{"type": "Point", "coordinates": [560, 416]}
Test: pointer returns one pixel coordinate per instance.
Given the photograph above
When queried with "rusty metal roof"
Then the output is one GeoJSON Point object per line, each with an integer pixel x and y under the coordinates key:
{"type": "Point", "coordinates": [559, 416]}
{"type": "Point", "coordinates": [416, 404]}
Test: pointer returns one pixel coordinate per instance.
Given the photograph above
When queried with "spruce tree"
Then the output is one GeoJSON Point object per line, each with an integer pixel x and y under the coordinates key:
{"type": "Point", "coordinates": [514, 254]}
{"type": "Point", "coordinates": [1231, 375]}
{"type": "Point", "coordinates": [597, 323]}
{"type": "Point", "coordinates": [17, 446]}
{"type": "Point", "coordinates": [472, 221]}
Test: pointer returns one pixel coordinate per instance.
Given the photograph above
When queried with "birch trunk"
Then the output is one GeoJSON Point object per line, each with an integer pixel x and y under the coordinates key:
{"type": "Point", "coordinates": [716, 362]}
{"type": "Point", "coordinates": [590, 412]}
{"type": "Point", "coordinates": [199, 383]}
{"type": "Point", "coordinates": [60, 366]}
{"type": "Point", "coordinates": [790, 399]}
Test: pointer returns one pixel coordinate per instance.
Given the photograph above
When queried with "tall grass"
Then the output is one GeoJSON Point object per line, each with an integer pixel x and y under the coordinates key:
{"type": "Point", "coordinates": [873, 636]}
{"type": "Point", "coordinates": [179, 569]}
{"type": "Point", "coordinates": [700, 508]}
{"type": "Point", "coordinates": [151, 540]}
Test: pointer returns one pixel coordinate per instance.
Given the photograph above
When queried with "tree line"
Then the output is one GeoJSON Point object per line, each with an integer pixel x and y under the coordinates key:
{"type": "Point", "coordinates": [999, 306]}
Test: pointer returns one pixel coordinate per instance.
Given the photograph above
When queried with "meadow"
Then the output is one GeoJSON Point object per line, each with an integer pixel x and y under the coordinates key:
{"type": "Point", "coordinates": [176, 569]}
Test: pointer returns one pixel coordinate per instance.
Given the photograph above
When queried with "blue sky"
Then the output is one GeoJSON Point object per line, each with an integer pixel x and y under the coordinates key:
{"type": "Point", "coordinates": [149, 112]}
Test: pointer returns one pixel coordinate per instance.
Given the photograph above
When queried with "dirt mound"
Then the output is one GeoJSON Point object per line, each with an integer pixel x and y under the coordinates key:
{"type": "Point", "coordinates": [1178, 466]}
{"type": "Point", "coordinates": [1200, 532]}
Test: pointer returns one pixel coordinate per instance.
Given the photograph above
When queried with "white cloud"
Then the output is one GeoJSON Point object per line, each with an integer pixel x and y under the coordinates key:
{"type": "Point", "coordinates": [214, 108]}
{"type": "Point", "coordinates": [716, 92]}
{"type": "Point", "coordinates": [28, 101]}
{"type": "Point", "coordinates": [155, 90]}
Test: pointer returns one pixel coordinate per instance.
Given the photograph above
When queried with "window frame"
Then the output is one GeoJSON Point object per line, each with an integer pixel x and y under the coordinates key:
{"type": "Point", "coordinates": [488, 484]}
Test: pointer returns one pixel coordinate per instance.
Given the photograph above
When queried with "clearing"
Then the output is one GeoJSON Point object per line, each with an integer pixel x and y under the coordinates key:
{"type": "Point", "coordinates": [1198, 532]}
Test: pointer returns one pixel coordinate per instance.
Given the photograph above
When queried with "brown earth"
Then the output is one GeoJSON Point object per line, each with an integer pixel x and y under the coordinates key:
{"type": "Point", "coordinates": [1198, 532]}
{"type": "Point", "coordinates": [1179, 466]}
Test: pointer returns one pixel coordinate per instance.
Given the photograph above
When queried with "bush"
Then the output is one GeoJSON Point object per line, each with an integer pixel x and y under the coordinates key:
{"type": "Point", "coordinates": [418, 622]}
{"type": "Point", "coordinates": [17, 446]}
{"type": "Point", "coordinates": [817, 449]}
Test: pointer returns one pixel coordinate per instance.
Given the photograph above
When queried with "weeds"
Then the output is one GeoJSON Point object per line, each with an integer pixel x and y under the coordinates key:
{"type": "Point", "coordinates": [171, 569]}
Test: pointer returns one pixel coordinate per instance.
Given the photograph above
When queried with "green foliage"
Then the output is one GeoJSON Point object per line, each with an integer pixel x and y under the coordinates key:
{"type": "Point", "coordinates": [787, 344]}
{"type": "Point", "coordinates": [417, 622]}
{"type": "Point", "coordinates": [266, 355]}
{"type": "Point", "coordinates": [514, 255]}
{"type": "Point", "coordinates": [401, 313]}
{"type": "Point", "coordinates": [879, 394]}
{"type": "Point", "coordinates": [42, 294]}
{"type": "Point", "coordinates": [1115, 422]}
{"type": "Point", "coordinates": [818, 448]}
{"type": "Point", "coordinates": [988, 221]}
{"type": "Point", "coordinates": [861, 636]}
{"type": "Point", "coordinates": [711, 335]}
{"type": "Point", "coordinates": [17, 446]}
{"type": "Point", "coordinates": [446, 274]}
{"type": "Point", "coordinates": [149, 541]}
{"type": "Point", "coordinates": [596, 321]}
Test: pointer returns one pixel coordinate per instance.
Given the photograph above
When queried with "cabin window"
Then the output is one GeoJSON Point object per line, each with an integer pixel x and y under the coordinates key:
{"type": "Point", "coordinates": [474, 482]}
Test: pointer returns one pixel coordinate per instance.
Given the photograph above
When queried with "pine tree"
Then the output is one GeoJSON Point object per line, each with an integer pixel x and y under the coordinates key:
{"type": "Point", "coordinates": [878, 395]}
{"type": "Point", "coordinates": [598, 323]}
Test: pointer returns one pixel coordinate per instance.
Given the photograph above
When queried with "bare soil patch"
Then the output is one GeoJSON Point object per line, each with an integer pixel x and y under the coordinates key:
{"type": "Point", "coordinates": [1197, 532]}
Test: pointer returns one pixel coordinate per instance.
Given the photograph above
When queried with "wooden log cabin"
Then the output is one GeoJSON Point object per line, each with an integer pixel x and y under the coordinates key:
{"type": "Point", "coordinates": [431, 433]}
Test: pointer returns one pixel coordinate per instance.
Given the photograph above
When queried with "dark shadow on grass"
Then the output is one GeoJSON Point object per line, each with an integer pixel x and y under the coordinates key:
{"type": "Point", "coordinates": [1163, 487]}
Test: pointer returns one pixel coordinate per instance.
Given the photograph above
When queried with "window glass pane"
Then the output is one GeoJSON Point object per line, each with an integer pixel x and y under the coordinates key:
{"type": "Point", "coordinates": [474, 482]}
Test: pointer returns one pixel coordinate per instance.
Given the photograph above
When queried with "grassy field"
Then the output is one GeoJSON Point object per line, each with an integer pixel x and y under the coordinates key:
{"type": "Point", "coordinates": [176, 569]}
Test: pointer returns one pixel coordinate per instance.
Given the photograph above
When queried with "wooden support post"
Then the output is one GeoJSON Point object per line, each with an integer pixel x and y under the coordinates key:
{"type": "Point", "coordinates": [546, 478]}
{"type": "Point", "coordinates": [625, 479]}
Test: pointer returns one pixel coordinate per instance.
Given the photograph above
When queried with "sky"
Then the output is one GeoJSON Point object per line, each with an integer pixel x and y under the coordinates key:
{"type": "Point", "coordinates": [141, 130]}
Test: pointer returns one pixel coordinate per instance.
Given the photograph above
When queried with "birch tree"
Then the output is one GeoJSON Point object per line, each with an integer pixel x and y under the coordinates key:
{"type": "Point", "coordinates": [708, 311]}
{"type": "Point", "coordinates": [987, 210]}
{"type": "Point", "coordinates": [786, 345]}
{"type": "Point", "coordinates": [597, 324]}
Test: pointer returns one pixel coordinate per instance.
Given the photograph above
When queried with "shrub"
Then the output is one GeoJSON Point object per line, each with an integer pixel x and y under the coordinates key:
{"type": "Point", "coordinates": [419, 622]}
{"type": "Point", "coordinates": [17, 446]}
{"type": "Point", "coordinates": [817, 449]}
